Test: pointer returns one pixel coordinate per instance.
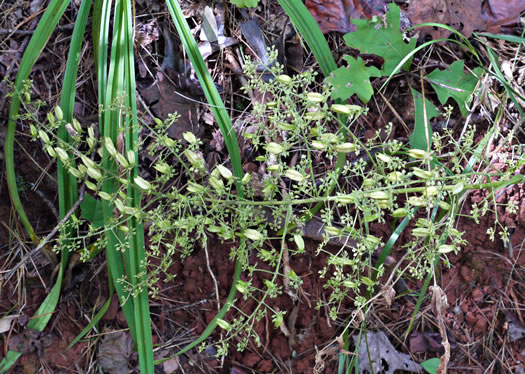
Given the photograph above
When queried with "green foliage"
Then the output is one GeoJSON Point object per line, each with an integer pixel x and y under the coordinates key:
{"type": "Point", "coordinates": [422, 117]}
{"type": "Point", "coordinates": [381, 36]}
{"type": "Point", "coordinates": [454, 82]}
{"type": "Point", "coordinates": [431, 365]}
{"type": "Point", "coordinates": [91, 210]}
{"type": "Point", "coordinates": [245, 3]}
{"type": "Point", "coordinates": [353, 79]}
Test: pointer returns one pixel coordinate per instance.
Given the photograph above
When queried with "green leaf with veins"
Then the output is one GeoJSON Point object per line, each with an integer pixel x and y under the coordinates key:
{"type": "Point", "coordinates": [455, 83]}
{"type": "Point", "coordinates": [354, 79]}
{"type": "Point", "coordinates": [245, 3]}
{"type": "Point", "coordinates": [382, 36]}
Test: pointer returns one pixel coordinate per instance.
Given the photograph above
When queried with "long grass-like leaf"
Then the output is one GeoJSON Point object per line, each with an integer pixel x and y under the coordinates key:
{"type": "Point", "coordinates": [225, 125]}
{"type": "Point", "coordinates": [117, 85]}
{"type": "Point", "coordinates": [310, 31]}
{"type": "Point", "coordinates": [37, 43]}
{"type": "Point", "coordinates": [210, 91]}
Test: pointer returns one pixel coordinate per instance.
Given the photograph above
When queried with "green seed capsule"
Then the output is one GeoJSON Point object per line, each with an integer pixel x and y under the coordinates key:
{"type": "Point", "coordinates": [59, 114]}
{"type": "Point", "coordinates": [253, 234]}
{"type": "Point", "coordinates": [274, 148]}
{"type": "Point", "coordinates": [400, 212]}
{"type": "Point", "coordinates": [446, 248]}
{"type": "Point", "coordinates": [283, 78]}
{"type": "Point", "coordinates": [294, 175]}
{"type": "Point", "coordinates": [142, 183]}
{"type": "Point", "coordinates": [315, 97]}
{"type": "Point", "coordinates": [346, 147]}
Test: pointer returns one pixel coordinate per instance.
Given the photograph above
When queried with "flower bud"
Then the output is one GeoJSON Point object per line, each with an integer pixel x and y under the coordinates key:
{"type": "Point", "coordinates": [318, 145]}
{"type": "Point", "coordinates": [315, 97]}
{"type": "Point", "coordinates": [379, 195]}
{"type": "Point", "coordinates": [395, 177]}
{"type": "Point", "coordinates": [223, 324]}
{"type": "Point", "coordinates": [421, 232]}
{"type": "Point", "coordinates": [283, 78]}
{"type": "Point", "coordinates": [225, 172]}
{"type": "Point", "coordinates": [216, 183]}
{"type": "Point", "coordinates": [419, 154]}
{"type": "Point", "coordinates": [122, 160]}
{"type": "Point", "coordinates": [400, 212]}
{"type": "Point", "coordinates": [274, 148]}
{"type": "Point", "coordinates": [329, 137]}
{"type": "Point", "coordinates": [189, 137]}
{"type": "Point", "coordinates": [446, 248]}
{"type": "Point", "coordinates": [131, 157]}
{"type": "Point", "coordinates": [142, 183]}
{"type": "Point", "coordinates": [285, 126]}
{"type": "Point", "coordinates": [346, 147]}
{"type": "Point", "coordinates": [77, 126]}
{"type": "Point", "coordinates": [92, 186]}
{"type": "Point", "coordinates": [94, 173]}
{"type": "Point", "coordinates": [74, 172]}
{"type": "Point", "coordinates": [345, 199]}
{"type": "Point", "coordinates": [332, 231]}
{"type": "Point", "coordinates": [109, 146]}
{"type": "Point", "coordinates": [314, 116]}
{"type": "Point", "coordinates": [417, 201]}
{"type": "Point", "coordinates": [59, 114]}
{"type": "Point", "coordinates": [252, 234]}
{"type": "Point", "coordinates": [62, 154]}
{"type": "Point", "coordinates": [195, 187]}
{"type": "Point", "coordinates": [43, 135]}
{"type": "Point", "coordinates": [385, 158]}
{"type": "Point", "coordinates": [162, 167]}
{"type": "Point", "coordinates": [422, 174]}
{"type": "Point", "coordinates": [294, 175]}
{"type": "Point", "coordinates": [70, 130]}
{"type": "Point", "coordinates": [246, 178]}
{"type": "Point", "coordinates": [104, 195]}
{"type": "Point", "coordinates": [50, 151]}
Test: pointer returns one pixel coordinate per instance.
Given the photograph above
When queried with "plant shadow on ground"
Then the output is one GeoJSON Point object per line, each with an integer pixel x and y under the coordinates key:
{"type": "Point", "coordinates": [484, 286]}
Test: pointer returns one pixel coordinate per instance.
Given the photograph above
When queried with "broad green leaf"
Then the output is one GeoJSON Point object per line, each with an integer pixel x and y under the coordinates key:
{"type": "Point", "coordinates": [354, 79]}
{"type": "Point", "coordinates": [245, 3]}
{"type": "Point", "coordinates": [91, 209]}
{"type": "Point", "coordinates": [455, 83]}
{"type": "Point", "coordinates": [431, 365]}
{"type": "Point", "coordinates": [382, 36]}
{"type": "Point", "coordinates": [9, 360]}
{"type": "Point", "coordinates": [418, 139]}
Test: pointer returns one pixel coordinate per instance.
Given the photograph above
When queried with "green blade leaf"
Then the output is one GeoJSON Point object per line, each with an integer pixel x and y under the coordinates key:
{"type": "Point", "coordinates": [37, 43]}
{"type": "Point", "coordinates": [354, 79]}
{"type": "Point", "coordinates": [91, 209]}
{"type": "Point", "coordinates": [382, 37]}
{"type": "Point", "coordinates": [455, 83]}
{"type": "Point", "coordinates": [421, 137]}
{"type": "Point", "coordinates": [310, 31]}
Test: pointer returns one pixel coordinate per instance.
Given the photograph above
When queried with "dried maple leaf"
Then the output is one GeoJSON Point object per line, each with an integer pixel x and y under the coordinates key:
{"type": "Point", "coordinates": [464, 16]}
{"type": "Point", "coordinates": [335, 15]}
{"type": "Point", "coordinates": [502, 12]}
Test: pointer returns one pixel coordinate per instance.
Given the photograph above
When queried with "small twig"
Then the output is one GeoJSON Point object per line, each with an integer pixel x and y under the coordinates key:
{"type": "Point", "coordinates": [51, 234]}
{"type": "Point", "coordinates": [212, 276]}
{"type": "Point", "coordinates": [31, 32]}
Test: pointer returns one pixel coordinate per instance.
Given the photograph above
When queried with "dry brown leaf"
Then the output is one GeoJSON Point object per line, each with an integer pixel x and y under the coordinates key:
{"type": "Point", "coordinates": [335, 15]}
{"type": "Point", "coordinates": [464, 16]}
